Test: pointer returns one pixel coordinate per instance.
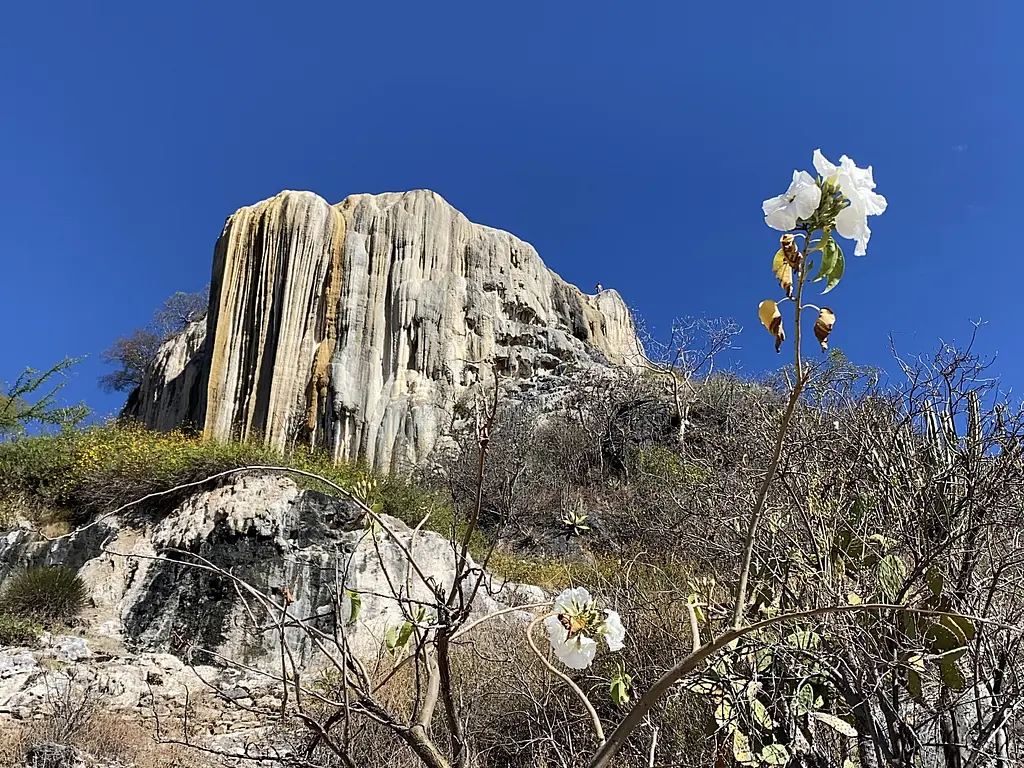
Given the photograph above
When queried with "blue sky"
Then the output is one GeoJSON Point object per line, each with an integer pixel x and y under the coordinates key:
{"type": "Point", "coordinates": [632, 144]}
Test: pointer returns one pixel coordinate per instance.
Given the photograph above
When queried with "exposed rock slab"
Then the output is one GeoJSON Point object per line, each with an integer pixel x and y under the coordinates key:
{"type": "Point", "coordinates": [147, 595]}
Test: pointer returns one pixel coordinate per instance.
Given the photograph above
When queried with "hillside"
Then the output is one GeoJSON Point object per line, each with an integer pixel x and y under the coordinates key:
{"type": "Point", "coordinates": [405, 497]}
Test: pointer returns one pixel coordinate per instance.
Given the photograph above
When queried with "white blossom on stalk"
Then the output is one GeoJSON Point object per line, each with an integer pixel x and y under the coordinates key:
{"type": "Point", "coordinates": [575, 623]}
{"type": "Point", "coordinates": [856, 185]}
{"type": "Point", "coordinates": [800, 201]}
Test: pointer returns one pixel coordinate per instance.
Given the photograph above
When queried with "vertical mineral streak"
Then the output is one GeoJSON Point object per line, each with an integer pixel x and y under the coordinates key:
{"type": "Point", "coordinates": [273, 303]}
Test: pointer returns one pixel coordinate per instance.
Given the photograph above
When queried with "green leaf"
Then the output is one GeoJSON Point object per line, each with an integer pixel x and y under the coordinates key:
{"type": "Point", "coordinates": [723, 711]}
{"type": "Point", "coordinates": [803, 702]}
{"type": "Point", "coordinates": [804, 639]}
{"type": "Point", "coordinates": [914, 685]}
{"type": "Point", "coordinates": [835, 723]}
{"type": "Point", "coordinates": [823, 241]}
{"type": "Point", "coordinates": [941, 639]}
{"type": "Point", "coordinates": [828, 261]}
{"type": "Point", "coordinates": [891, 574]}
{"type": "Point", "coordinates": [704, 687]}
{"type": "Point", "coordinates": [911, 625]}
{"type": "Point", "coordinates": [760, 714]}
{"type": "Point", "coordinates": [961, 625]}
{"type": "Point", "coordinates": [396, 638]}
{"type": "Point", "coordinates": [741, 749]}
{"type": "Point", "coordinates": [951, 675]}
{"type": "Point", "coordinates": [934, 579]}
{"type": "Point", "coordinates": [391, 639]}
{"type": "Point", "coordinates": [763, 657]}
{"type": "Point", "coordinates": [618, 689]}
{"type": "Point", "coordinates": [775, 754]}
{"type": "Point", "coordinates": [405, 634]}
{"type": "Point", "coordinates": [355, 603]}
{"type": "Point", "coordinates": [835, 274]}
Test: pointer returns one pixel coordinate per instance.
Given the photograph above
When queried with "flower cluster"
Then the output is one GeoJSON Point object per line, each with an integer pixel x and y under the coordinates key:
{"type": "Point", "coordinates": [808, 199]}
{"type": "Point", "coordinates": [575, 624]}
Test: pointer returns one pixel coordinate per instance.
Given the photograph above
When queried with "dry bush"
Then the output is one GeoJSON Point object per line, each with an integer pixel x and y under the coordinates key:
{"type": "Point", "coordinates": [125, 740]}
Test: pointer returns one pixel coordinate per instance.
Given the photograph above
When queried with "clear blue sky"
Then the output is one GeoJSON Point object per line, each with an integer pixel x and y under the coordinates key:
{"type": "Point", "coordinates": [631, 143]}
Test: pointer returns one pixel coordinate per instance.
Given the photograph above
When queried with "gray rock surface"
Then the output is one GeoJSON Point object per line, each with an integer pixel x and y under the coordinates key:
{"type": "Point", "coordinates": [172, 384]}
{"type": "Point", "coordinates": [358, 327]}
{"type": "Point", "coordinates": [145, 594]}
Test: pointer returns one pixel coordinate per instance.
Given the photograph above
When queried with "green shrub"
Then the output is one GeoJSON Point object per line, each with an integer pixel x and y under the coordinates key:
{"type": "Point", "coordinates": [47, 594]}
{"type": "Point", "coordinates": [37, 468]}
{"type": "Point", "coordinates": [18, 631]}
{"type": "Point", "coordinates": [659, 461]}
{"type": "Point", "coordinates": [98, 469]}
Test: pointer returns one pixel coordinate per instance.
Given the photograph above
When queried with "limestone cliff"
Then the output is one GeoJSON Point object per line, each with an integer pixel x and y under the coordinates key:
{"type": "Point", "coordinates": [357, 327]}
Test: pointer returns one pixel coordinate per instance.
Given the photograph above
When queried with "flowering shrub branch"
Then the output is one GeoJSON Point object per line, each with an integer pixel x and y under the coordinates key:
{"type": "Point", "coordinates": [813, 209]}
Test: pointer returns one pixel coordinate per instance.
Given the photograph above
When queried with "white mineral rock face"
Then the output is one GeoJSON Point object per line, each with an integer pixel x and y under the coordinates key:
{"type": "Point", "coordinates": [358, 327]}
{"type": "Point", "coordinates": [151, 586]}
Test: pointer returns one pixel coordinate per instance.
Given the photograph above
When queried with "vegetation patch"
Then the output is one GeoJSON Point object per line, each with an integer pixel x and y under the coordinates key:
{"type": "Point", "coordinates": [47, 594]}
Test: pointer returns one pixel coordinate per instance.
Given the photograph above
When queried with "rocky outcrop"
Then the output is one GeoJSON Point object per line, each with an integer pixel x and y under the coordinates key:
{"type": "Point", "coordinates": [147, 594]}
{"type": "Point", "coordinates": [358, 327]}
{"type": "Point", "coordinates": [171, 385]}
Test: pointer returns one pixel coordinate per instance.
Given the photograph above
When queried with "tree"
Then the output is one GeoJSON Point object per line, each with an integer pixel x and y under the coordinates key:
{"type": "Point", "coordinates": [17, 413]}
{"type": "Point", "coordinates": [688, 353]}
{"type": "Point", "coordinates": [132, 354]}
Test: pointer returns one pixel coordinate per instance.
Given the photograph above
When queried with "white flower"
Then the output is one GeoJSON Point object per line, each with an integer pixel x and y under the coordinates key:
{"type": "Point", "coordinates": [613, 631]}
{"type": "Point", "coordinates": [574, 624]}
{"type": "Point", "coordinates": [857, 185]}
{"type": "Point", "coordinates": [575, 652]}
{"type": "Point", "coordinates": [799, 202]}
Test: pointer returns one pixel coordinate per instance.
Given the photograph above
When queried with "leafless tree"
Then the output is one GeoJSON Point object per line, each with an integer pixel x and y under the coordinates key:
{"type": "Point", "coordinates": [689, 352]}
{"type": "Point", "coordinates": [133, 353]}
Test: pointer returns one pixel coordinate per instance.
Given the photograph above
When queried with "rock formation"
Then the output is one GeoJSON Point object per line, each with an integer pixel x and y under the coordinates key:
{"type": "Point", "coordinates": [147, 594]}
{"type": "Point", "coordinates": [358, 327]}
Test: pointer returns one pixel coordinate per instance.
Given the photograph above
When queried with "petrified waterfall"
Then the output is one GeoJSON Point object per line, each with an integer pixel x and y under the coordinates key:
{"type": "Point", "coordinates": [357, 327]}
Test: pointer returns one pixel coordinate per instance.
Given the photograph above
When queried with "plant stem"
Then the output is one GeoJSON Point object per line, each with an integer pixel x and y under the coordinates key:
{"type": "Point", "coordinates": [780, 440]}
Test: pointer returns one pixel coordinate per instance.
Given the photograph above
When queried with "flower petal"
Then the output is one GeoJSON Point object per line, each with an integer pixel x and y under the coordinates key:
{"type": "Point", "coordinates": [773, 204]}
{"type": "Point", "coordinates": [572, 600]}
{"type": "Point", "coordinates": [808, 196]}
{"type": "Point", "coordinates": [577, 653]}
{"type": "Point", "coordinates": [856, 184]}
{"type": "Point", "coordinates": [613, 631]}
{"type": "Point", "coordinates": [874, 203]}
{"type": "Point", "coordinates": [782, 219]}
{"type": "Point", "coordinates": [556, 632]}
{"type": "Point", "coordinates": [862, 178]}
{"type": "Point", "coordinates": [823, 166]}
{"type": "Point", "coordinates": [852, 223]}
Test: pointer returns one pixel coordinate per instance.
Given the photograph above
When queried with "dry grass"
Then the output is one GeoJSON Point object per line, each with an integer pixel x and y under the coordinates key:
{"type": "Point", "coordinates": [123, 740]}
